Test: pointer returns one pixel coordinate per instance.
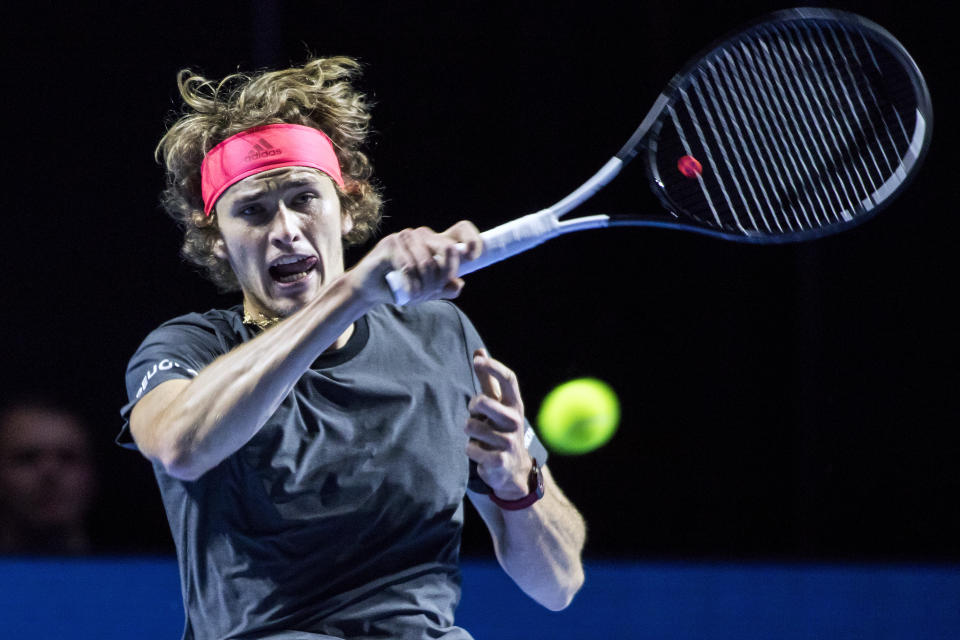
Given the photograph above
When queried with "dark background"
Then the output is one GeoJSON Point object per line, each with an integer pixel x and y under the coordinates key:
{"type": "Point", "coordinates": [778, 402]}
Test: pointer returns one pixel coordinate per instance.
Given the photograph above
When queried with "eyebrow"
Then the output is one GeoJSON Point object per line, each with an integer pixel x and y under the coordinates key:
{"type": "Point", "coordinates": [292, 183]}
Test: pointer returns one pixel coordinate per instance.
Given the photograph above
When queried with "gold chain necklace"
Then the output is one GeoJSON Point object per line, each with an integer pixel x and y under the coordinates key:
{"type": "Point", "coordinates": [263, 321]}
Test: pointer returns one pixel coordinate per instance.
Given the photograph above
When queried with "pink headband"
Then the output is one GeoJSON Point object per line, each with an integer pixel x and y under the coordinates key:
{"type": "Point", "coordinates": [262, 148]}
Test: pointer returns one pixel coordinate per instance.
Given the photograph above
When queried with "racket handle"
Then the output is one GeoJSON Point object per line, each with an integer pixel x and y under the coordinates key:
{"type": "Point", "coordinates": [499, 243]}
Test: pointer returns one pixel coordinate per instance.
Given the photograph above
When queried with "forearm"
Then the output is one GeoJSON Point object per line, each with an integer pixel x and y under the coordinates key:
{"type": "Point", "coordinates": [540, 548]}
{"type": "Point", "coordinates": [225, 405]}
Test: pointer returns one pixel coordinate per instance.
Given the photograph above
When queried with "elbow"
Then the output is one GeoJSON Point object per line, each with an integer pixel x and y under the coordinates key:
{"type": "Point", "coordinates": [182, 460]}
{"type": "Point", "coordinates": [564, 595]}
{"type": "Point", "coordinates": [181, 466]}
{"type": "Point", "coordinates": [561, 593]}
{"type": "Point", "coordinates": [177, 460]}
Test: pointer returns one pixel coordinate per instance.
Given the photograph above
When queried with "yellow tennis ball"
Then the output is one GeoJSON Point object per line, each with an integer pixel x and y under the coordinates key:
{"type": "Point", "coordinates": [579, 416]}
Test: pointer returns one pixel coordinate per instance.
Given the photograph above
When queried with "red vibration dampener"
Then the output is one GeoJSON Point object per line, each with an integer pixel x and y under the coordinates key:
{"type": "Point", "coordinates": [689, 166]}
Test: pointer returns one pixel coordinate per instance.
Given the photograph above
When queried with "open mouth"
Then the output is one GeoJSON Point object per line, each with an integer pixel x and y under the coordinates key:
{"type": "Point", "coordinates": [293, 271]}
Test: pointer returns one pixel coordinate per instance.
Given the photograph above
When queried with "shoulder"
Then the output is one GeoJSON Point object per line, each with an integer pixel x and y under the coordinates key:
{"type": "Point", "coordinates": [194, 338]}
{"type": "Point", "coordinates": [215, 324]}
{"type": "Point", "coordinates": [218, 320]}
{"type": "Point", "coordinates": [182, 346]}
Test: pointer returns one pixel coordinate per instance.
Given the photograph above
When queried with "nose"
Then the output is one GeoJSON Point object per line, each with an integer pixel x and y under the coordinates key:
{"type": "Point", "coordinates": [286, 229]}
{"type": "Point", "coordinates": [49, 464]}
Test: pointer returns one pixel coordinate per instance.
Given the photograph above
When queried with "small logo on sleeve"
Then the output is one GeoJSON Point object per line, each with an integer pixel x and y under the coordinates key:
{"type": "Point", "coordinates": [163, 365]}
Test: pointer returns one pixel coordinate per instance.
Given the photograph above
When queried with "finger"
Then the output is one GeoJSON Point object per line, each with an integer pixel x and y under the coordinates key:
{"type": "Point", "coordinates": [430, 263]}
{"type": "Point", "coordinates": [419, 246]}
{"type": "Point", "coordinates": [482, 431]}
{"type": "Point", "coordinates": [499, 416]}
{"type": "Point", "coordinates": [448, 264]}
{"type": "Point", "coordinates": [488, 383]}
{"type": "Point", "coordinates": [505, 378]}
{"type": "Point", "coordinates": [406, 261]}
{"type": "Point", "coordinates": [438, 258]}
{"type": "Point", "coordinates": [444, 273]}
{"type": "Point", "coordinates": [451, 263]}
{"type": "Point", "coordinates": [488, 459]}
{"type": "Point", "coordinates": [452, 289]}
{"type": "Point", "coordinates": [466, 233]}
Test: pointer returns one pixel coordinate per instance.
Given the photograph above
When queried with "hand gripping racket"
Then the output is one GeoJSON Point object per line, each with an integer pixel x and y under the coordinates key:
{"type": "Point", "coordinates": [801, 125]}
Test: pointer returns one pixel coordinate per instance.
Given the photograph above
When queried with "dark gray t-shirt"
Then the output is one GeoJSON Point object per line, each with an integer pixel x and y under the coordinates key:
{"type": "Point", "coordinates": [342, 517]}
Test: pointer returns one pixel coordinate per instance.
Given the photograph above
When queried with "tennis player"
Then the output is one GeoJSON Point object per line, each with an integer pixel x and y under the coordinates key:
{"type": "Point", "coordinates": [313, 444]}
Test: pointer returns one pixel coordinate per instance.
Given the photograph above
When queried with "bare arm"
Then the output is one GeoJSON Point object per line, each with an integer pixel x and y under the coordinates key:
{"type": "Point", "coordinates": [539, 547]}
{"type": "Point", "coordinates": [190, 426]}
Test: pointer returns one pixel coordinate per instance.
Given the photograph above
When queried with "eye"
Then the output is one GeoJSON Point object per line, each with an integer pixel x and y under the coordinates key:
{"type": "Point", "coordinates": [28, 457]}
{"type": "Point", "coordinates": [251, 210]}
{"type": "Point", "coordinates": [304, 197]}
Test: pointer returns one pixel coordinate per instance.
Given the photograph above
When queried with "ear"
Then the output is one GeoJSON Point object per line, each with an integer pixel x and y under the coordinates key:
{"type": "Point", "coordinates": [220, 249]}
{"type": "Point", "coordinates": [346, 224]}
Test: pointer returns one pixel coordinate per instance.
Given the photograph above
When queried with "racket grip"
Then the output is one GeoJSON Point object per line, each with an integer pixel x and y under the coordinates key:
{"type": "Point", "coordinates": [499, 243]}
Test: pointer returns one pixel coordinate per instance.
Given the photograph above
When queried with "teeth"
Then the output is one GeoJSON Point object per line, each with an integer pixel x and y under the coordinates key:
{"type": "Point", "coordinates": [293, 278]}
{"type": "Point", "coordinates": [288, 260]}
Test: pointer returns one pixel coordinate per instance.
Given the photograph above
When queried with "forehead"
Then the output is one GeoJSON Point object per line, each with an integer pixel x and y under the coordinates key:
{"type": "Point", "coordinates": [273, 179]}
{"type": "Point", "coordinates": [37, 428]}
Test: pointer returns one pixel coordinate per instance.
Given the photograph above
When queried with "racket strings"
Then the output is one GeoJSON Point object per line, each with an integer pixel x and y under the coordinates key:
{"type": "Point", "coordinates": [841, 106]}
{"type": "Point", "coordinates": [839, 109]}
{"type": "Point", "coordinates": [838, 143]}
{"type": "Point", "coordinates": [820, 126]}
{"type": "Point", "coordinates": [778, 67]}
{"type": "Point", "coordinates": [767, 160]}
{"type": "Point", "coordinates": [799, 125]}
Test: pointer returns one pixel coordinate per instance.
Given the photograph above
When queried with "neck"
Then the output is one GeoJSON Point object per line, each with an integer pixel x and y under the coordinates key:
{"type": "Point", "coordinates": [265, 321]}
{"type": "Point", "coordinates": [259, 319]}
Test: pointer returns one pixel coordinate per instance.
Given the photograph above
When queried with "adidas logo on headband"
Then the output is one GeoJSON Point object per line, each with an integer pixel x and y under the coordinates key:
{"type": "Point", "coordinates": [262, 149]}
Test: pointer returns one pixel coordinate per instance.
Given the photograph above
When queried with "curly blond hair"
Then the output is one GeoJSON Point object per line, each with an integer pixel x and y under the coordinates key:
{"type": "Point", "coordinates": [319, 94]}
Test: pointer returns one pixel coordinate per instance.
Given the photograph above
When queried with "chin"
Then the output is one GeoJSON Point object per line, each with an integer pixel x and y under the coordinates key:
{"type": "Point", "coordinates": [289, 302]}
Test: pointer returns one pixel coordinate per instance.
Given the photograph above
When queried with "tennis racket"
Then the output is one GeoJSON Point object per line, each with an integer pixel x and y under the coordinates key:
{"type": "Point", "coordinates": [801, 125]}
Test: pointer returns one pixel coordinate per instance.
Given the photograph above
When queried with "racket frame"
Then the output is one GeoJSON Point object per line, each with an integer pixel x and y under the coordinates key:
{"type": "Point", "coordinates": [645, 137]}
{"type": "Point", "coordinates": [526, 232]}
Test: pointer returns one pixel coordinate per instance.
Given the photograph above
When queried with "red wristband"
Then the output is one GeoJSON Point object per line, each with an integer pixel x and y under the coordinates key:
{"type": "Point", "coordinates": [534, 485]}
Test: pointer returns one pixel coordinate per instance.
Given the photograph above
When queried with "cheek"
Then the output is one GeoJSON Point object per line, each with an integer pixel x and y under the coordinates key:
{"type": "Point", "coordinates": [327, 228]}
{"type": "Point", "coordinates": [333, 245]}
{"type": "Point", "coordinates": [78, 483]}
{"type": "Point", "coordinates": [20, 481]}
{"type": "Point", "coordinates": [8, 482]}
{"type": "Point", "coordinates": [237, 250]}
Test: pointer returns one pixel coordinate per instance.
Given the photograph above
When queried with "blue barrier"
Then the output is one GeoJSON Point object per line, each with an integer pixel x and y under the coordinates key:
{"type": "Point", "coordinates": [125, 598]}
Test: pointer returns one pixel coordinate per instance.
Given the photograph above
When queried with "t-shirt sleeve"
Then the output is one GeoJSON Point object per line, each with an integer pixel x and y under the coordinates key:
{"type": "Point", "coordinates": [178, 349]}
{"type": "Point", "coordinates": [473, 342]}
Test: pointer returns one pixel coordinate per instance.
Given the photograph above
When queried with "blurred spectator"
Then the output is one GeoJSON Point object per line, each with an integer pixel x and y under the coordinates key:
{"type": "Point", "coordinates": [47, 480]}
